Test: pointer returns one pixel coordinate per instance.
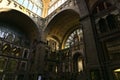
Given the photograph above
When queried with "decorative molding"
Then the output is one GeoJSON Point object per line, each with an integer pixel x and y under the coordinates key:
{"type": "Point", "coordinates": [8, 2]}
{"type": "Point", "coordinates": [1, 1]}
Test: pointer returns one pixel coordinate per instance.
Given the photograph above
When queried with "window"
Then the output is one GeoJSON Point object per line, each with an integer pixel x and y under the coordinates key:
{"type": "Point", "coordinates": [1, 34]}
{"type": "Point", "coordinates": [25, 55]}
{"type": "Point", "coordinates": [111, 22]}
{"type": "Point", "coordinates": [39, 77]}
{"type": "Point", "coordinates": [39, 11]}
{"type": "Point", "coordinates": [30, 5]}
{"type": "Point", "coordinates": [55, 6]}
{"type": "Point", "coordinates": [101, 6]}
{"type": "Point", "coordinates": [53, 44]}
{"type": "Point", "coordinates": [6, 49]}
{"type": "Point", "coordinates": [103, 25]}
{"type": "Point", "coordinates": [25, 3]}
{"type": "Point", "coordinates": [34, 8]}
{"type": "Point", "coordinates": [74, 38]}
{"type": "Point", "coordinates": [113, 49]}
{"type": "Point", "coordinates": [16, 51]}
{"type": "Point", "coordinates": [77, 62]}
{"type": "Point", "coordinates": [20, 1]}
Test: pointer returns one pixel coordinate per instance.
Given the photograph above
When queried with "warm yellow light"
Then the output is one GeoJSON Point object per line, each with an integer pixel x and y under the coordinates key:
{"type": "Point", "coordinates": [117, 70]}
{"type": "Point", "coordinates": [80, 66]}
{"type": "Point", "coordinates": [4, 9]}
{"type": "Point", "coordinates": [56, 69]}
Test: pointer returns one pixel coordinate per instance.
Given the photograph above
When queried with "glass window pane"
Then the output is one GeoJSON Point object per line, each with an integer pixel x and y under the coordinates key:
{"type": "Point", "coordinates": [49, 11]}
{"type": "Point", "coordinates": [59, 2]}
{"type": "Point", "coordinates": [39, 12]}
{"type": "Point", "coordinates": [56, 6]}
{"type": "Point", "coordinates": [17, 52]}
{"type": "Point", "coordinates": [2, 35]}
{"type": "Point", "coordinates": [25, 55]}
{"type": "Point", "coordinates": [25, 3]}
{"type": "Point", "coordinates": [6, 49]}
{"type": "Point", "coordinates": [34, 8]}
{"type": "Point", "coordinates": [70, 40]}
{"type": "Point", "coordinates": [30, 5]}
{"type": "Point", "coordinates": [20, 1]}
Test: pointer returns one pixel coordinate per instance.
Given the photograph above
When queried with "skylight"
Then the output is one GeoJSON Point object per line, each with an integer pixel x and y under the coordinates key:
{"type": "Point", "coordinates": [54, 5]}
{"type": "Point", "coordinates": [33, 5]}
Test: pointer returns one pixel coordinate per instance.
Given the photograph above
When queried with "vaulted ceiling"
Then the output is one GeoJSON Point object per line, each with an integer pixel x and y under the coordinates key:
{"type": "Point", "coordinates": [64, 22]}
{"type": "Point", "coordinates": [61, 24]}
{"type": "Point", "coordinates": [21, 21]}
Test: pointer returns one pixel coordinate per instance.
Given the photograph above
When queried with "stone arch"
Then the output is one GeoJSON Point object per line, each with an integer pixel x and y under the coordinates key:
{"type": "Point", "coordinates": [99, 6]}
{"type": "Point", "coordinates": [70, 31]}
{"type": "Point", "coordinates": [111, 21]}
{"type": "Point", "coordinates": [103, 25]}
{"type": "Point", "coordinates": [21, 20]}
{"type": "Point", "coordinates": [78, 61]}
{"type": "Point", "coordinates": [59, 25]}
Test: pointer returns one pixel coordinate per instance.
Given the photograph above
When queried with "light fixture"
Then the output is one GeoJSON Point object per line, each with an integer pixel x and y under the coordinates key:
{"type": "Point", "coordinates": [117, 70]}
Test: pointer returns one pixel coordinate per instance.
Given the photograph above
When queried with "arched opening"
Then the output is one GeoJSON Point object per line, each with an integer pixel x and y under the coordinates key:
{"type": "Point", "coordinates": [101, 6]}
{"type": "Point", "coordinates": [74, 39]}
{"type": "Point", "coordinates": [77, 62]}
{"type": "Point", "coordinates": [58, 30]}
{"type": "Point", "coordinates": [17, 31]}
{"type": "Point", "coordinates": [29, 28]}
{"type": "Point", "coordinates": [103, 27]}
{"type": "Point", "coordinates": [59, 25]}
{"type": "Point", "coordinates": [112, 22]}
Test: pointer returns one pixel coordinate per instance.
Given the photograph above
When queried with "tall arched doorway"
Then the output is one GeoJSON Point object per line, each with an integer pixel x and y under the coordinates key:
{"type": "Point", "coordinates": [77, 62]}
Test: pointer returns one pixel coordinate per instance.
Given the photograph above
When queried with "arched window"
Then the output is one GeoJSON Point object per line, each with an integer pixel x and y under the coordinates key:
{"type": "Point", "coordinates": [77, 62]}
{"type": "Point", "coordinates": [102, 25]}
{"type": "Point", "coordinates": [54, 4]}
{"type": "Point", "coordinates": [10, 37]}
{"type": "Point", "coordinates": [53, 44]}
{"type": "Point", "coordinates": [33, 5]}
{"type": "Point", "coordinates": [74, 38]}
{"type": "Point", "coordinates": [6, 48]}
{"type": "Point", "coordinates": [9, 34]}
{"type": "Point", "coordinates": [111, 22]}
{"type": "Point", "coordinates": [101, 6]}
